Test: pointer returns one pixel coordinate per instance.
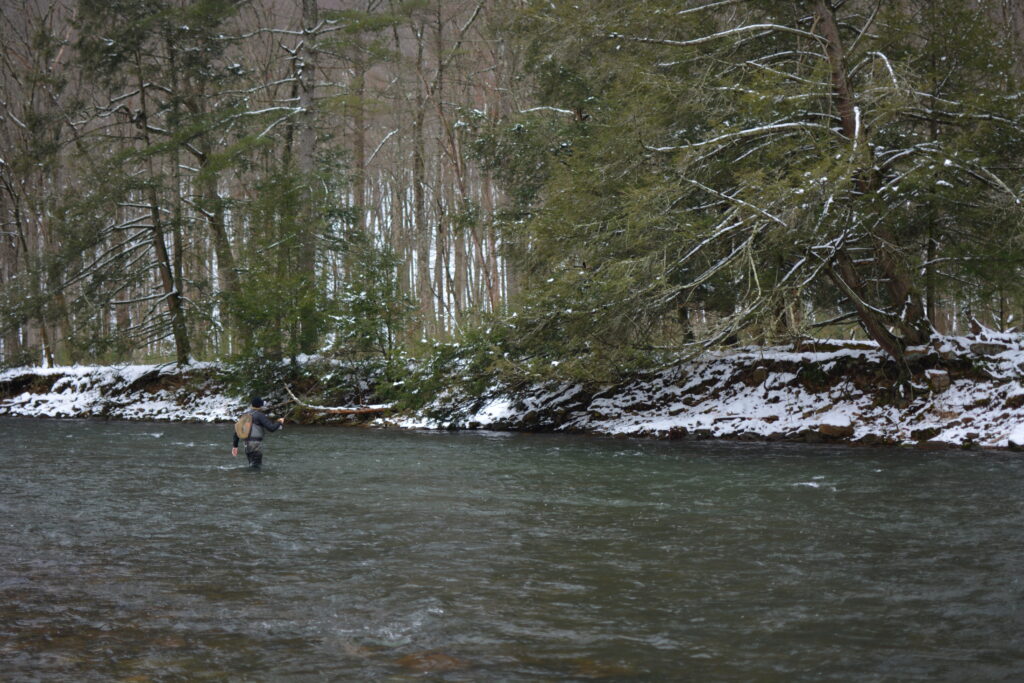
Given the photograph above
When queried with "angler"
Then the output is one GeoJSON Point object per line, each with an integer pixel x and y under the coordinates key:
{"type": "Point", "coordinates": [250, 429]}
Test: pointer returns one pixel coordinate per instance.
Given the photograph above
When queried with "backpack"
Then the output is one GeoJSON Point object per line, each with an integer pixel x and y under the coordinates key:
{"type": "Point", "coordinates": [243, 426]}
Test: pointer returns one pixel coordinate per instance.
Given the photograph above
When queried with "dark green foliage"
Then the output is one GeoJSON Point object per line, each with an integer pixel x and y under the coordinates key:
{"type": "Point", "coordinates": [254, 375]}
{"type": "Point", "coordinates": [371, 310]}
{"type": "Point", "coordinates": [315, 381]}
{"type": "Point", "coordinates": [672, 182]}
{"type": "Point", "coordinates": [453, 370]}
{"type": "Point", "coordinates": [699, 192]}
{"type": "Point", "coordinates": [117, 33]}
{"type": "Point", "coordinates": [274, 294]}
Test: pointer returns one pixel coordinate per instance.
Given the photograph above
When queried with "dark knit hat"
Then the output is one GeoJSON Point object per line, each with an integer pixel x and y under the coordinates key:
{"type": "Point", "coordinates": [257, 402]}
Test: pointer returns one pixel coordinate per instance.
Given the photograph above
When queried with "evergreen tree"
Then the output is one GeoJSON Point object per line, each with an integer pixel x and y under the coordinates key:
{"type": "Point", "coordinates": [371, 311]}
{"type": "Point", "coordinates": [736, 159]}
{"type": "Point", "coordinates": [155, 60]}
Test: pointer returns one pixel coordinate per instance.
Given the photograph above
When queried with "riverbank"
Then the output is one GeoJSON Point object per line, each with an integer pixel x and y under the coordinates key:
{"type": "Point", "coordinates": [962, 392]}
{"type": "Point", "coordinates": [193, 393]}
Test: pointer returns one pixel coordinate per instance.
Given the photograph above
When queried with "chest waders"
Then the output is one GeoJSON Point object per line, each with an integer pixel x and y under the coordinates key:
{"type": "Point", "coordinates": [254, 446]}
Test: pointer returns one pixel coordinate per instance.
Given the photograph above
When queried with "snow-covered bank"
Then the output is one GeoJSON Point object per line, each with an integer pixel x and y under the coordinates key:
{"type": "Point", "coordinates": [964, 391]}
{"type": "Point", "coordinates": [129, 392]}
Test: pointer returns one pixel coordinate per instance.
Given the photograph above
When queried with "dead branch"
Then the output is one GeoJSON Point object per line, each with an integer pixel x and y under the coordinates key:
{"type": "Point", "coordinates": [360, 410]}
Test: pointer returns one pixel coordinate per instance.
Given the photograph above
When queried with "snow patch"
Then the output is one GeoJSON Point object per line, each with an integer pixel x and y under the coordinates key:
{"type": "Point", "coordinates": [825, 392]}
{"type": "Point", "coordinates": [108, 391]}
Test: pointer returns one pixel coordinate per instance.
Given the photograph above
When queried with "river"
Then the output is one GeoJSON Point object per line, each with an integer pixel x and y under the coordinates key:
{"type": "Point", "coordinates": [144, 551]}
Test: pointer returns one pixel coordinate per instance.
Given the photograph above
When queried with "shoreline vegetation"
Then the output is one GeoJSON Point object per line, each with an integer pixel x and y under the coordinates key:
{"type": "Point", "coordinates": [954, 392]}
{"type": "Point", "coordinates": [519, 215]}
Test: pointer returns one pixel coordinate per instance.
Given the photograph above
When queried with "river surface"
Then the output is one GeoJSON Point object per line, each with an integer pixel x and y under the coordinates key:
{"type": "Point", "coordinates": [141, 551]}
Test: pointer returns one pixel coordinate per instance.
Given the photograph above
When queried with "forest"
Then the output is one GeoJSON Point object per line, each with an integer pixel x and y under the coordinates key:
{"type": "Point", "coordinates": [524, 188]}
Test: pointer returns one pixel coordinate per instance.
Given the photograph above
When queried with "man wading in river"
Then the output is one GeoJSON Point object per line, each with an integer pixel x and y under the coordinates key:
{"type": "Point", "coordinates": [250, 428]}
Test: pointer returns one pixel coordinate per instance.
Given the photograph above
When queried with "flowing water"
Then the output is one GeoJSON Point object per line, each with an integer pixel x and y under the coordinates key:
{"type": "Point", "coordinates": [137, 552]}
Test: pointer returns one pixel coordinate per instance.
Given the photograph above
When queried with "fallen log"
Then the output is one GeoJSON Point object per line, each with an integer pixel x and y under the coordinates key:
{"type": "Point", "coordinates": [357, 410]}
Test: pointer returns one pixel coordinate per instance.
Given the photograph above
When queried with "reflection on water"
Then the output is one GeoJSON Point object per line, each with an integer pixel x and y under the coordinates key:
{"type": "Point", "coordinates": [145, 552]}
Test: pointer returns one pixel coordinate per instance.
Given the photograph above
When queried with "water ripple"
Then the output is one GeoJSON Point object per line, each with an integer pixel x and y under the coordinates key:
{"type": "Point", "coordinates": [137, 553]}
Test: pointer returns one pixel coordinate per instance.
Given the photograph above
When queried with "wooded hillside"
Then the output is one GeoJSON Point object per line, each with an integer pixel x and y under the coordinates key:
{"type": "Point", "coordinates": [558, 187]}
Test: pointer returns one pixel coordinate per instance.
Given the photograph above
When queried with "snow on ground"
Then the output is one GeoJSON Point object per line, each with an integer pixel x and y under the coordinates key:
{"type": "Point", "coordinates": [966, 391]}
{"type": "Point", "coordinates": [124, 392]}
{"type": "Point", "coordinates": [833, 393]}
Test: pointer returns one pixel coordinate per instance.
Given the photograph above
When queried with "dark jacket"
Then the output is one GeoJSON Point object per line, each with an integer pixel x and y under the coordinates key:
{"type": "Point", "coordinates": [260, 423]}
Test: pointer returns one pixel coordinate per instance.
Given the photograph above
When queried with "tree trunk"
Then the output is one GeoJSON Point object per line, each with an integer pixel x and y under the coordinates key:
{"type": "Point", "coordinates": [903, 295]}
{"type": "Point", "coordinates": [488, 255]}
{"type": "Point", "coordinates": [441, 276]}
{"type": "Point", "coordinates": [306, 157]}
{"type": "Point", "coordinates": [227, 270]}
{"type": "Point", "coordinates": [845, 277]}
{"type": "Point", "coordinates": [359, 142]}
{"type": "Point", "coordinates": [172, 294]}
{"type": "Point", "coordinates": [421, 229]}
